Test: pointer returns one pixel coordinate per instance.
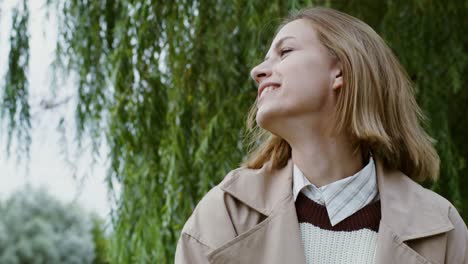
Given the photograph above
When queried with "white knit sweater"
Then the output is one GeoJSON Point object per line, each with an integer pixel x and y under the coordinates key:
{"type": "Point", "coordinates": [351, 241]}
{"type": "Point", "coordinates": [325, 247]}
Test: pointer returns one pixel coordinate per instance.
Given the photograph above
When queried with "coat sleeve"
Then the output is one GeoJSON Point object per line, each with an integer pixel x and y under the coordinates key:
{"type": "Point", "coordinates": [457, 241]}
{"type": "Point", "coordinates": [190, 250]}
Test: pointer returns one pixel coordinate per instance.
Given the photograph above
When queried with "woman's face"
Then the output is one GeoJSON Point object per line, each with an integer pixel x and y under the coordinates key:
{"type": "Point", "coordinates": [305, 79]}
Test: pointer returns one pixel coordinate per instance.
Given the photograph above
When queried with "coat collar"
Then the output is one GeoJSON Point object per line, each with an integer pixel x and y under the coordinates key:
{"type": "Point", "coordinates": [260, 189]}
{"type": "Point", "coordinates": [408, 209]}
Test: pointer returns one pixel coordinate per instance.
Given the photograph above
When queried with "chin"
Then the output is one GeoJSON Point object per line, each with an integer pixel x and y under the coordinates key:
{"type": "Point", "coordinates": [267, 120]}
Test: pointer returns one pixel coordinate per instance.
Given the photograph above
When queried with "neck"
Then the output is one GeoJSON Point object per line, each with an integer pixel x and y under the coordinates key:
{"type": "Point", "coordinates": [324, 160]}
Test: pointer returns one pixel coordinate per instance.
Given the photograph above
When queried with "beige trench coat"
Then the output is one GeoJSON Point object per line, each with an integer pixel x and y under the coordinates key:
{"type": "Point", "coordinates": [250, 217]}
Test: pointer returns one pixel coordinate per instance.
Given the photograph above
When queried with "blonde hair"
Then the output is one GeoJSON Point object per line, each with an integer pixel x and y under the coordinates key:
{"type": "Point", "coordinates": [376, 105]}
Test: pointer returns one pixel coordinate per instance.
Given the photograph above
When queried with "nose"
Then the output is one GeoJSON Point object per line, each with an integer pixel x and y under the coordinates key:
{"type": "Point", "coordinates": [260, 72]}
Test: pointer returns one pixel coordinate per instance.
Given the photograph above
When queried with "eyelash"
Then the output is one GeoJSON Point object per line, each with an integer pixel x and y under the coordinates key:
{"type": "Point", "coordinates": [285, 50]}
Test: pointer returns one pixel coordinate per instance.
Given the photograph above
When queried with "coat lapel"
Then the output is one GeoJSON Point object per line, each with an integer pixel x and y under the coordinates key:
{"type": "Point", "coordinates": [407, 213]}
{"type": "Point", "coordinates": [276, 239]}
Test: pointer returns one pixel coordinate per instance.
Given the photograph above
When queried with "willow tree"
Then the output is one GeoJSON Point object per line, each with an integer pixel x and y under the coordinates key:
{"type": "Point", "coordinates": [166, 86]}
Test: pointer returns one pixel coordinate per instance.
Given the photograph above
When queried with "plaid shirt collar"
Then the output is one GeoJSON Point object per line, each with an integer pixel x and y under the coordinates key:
{"type": "Point", "coordinates": [341, 198]}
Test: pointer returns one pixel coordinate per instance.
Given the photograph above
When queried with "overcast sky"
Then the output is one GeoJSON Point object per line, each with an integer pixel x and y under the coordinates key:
{"type": "Point", "coordinates": [47, 167]}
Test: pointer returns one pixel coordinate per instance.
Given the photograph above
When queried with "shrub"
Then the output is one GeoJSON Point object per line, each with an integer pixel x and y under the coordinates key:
{"type": "Point", "coordinates": [37, 228]}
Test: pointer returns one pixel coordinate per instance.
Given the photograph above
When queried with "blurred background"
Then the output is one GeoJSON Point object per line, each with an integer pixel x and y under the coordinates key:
{"type": "Point", "coordinates": [117, 116]}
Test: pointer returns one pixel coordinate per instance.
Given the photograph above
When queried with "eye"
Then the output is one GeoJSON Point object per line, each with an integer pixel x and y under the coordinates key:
{"type": "Point", "coordinates": [284, 51]}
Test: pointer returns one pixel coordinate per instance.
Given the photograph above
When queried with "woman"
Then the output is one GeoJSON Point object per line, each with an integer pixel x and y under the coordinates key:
{"type": "Point", "coordinates": [333, 180]}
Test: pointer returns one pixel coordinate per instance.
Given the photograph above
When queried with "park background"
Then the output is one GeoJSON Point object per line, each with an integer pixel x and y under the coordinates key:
{"type": "Point", "coordinates": [146, 102]}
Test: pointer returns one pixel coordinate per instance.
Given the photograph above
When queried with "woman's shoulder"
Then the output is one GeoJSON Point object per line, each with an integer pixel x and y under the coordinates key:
{"type": "Point", "coordinates": [447, 209]}
{"type": "Point", "coordinates": [211, 221]}
{"type": "Point", "coordinates": [457, 237]}
{"type": "Point", "coordinates": [439, 205]}
{"type": "Point", "coordinates": [439, 202]}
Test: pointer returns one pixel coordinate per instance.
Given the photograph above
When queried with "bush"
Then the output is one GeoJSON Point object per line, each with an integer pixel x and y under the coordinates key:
{"type": "Point", "coordinates": [37, 228]}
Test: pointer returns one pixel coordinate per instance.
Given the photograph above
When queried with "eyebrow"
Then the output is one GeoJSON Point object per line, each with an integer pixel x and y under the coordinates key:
{"type": "Point", "coordinates": [279, 43]}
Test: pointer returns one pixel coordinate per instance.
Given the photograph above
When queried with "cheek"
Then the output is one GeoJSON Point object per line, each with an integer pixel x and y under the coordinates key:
{"type": "Point", "coordinates": [307, 78]}
{"type": "Point", "coordinates": [305, 67]}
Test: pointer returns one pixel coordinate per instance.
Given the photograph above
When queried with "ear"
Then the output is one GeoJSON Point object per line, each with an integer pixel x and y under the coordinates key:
{"type": "Point", "coordinates": [337, 80]}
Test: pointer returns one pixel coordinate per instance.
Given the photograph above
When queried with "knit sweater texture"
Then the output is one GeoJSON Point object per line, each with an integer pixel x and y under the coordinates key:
{"type": "Point", "coordinates": [353, 240]}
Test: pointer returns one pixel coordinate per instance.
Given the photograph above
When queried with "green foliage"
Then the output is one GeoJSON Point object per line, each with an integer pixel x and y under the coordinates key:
{"type": "Point", "coordinates": [14, 100]}
{"type": "Point", "coordinates": [36, 228]}
{"type": "Point", "coordinates": [167, 87]}
{"type": "Point", "coordinates": [100, 241]}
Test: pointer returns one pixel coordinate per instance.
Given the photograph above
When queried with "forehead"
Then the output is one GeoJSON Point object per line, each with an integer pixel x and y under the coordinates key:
{"type": "Point", "coordinates": [299, 30]}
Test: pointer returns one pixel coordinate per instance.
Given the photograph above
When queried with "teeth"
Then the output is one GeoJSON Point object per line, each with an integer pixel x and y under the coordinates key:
{"type": "Point", "coordinates": [268, 89]}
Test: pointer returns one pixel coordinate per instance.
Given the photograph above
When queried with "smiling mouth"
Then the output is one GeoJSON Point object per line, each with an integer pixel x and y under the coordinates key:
{"type": "Point", "coordinates": [268, 89]}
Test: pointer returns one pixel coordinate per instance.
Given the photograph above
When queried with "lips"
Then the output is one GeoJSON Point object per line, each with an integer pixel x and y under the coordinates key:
{"type": "Point", "coordinates": [269, 85]}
